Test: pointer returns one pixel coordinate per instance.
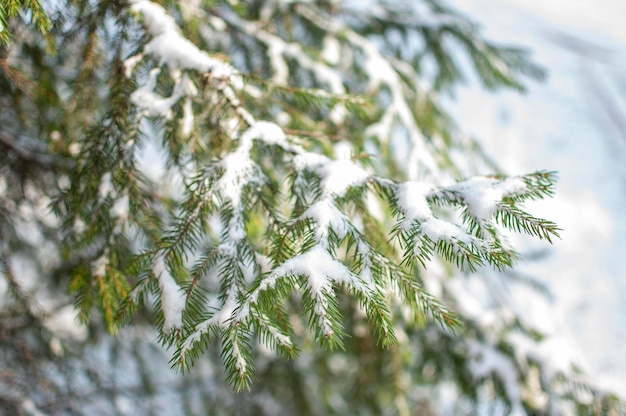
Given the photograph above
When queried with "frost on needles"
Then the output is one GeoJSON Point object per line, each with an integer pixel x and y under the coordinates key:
{"type": "Point", "coordinates": [292, 221]}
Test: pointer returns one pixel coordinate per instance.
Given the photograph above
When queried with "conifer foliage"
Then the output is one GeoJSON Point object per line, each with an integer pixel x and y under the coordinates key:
{"type": "Point", "coordinates": [264, 181]}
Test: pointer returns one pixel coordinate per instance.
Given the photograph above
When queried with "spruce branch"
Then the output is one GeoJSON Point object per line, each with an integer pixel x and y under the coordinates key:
{"type": "Point", "coordinates": [315, 247]}
{"type": "Point", "coordinates": [11, 8]}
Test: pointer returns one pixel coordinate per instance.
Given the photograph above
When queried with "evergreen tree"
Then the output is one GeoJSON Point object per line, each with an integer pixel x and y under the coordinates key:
{"type": "Point", "coordinates": [273, 190]}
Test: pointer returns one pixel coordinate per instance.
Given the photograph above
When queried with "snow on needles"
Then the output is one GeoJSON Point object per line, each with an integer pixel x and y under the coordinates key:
{"type": "Point", "coordinates": [169, 47]}
{"type": "Point", "coordinates": [336, 175]}
{"type": "Point", "coordinates": [327, 216]}
{"type": "Point", "coordinates": [240, 169]}
{"type": "Point", "coordinates": [411, 200]}
{"type": "Point", "coordinates": [172, 297]}
{"type": "Point", "coordinates": [411, 197]}
{"type": "Point", "coordinates": [482, 194]}
{"type": "Point", "coordinates": [320, 270]}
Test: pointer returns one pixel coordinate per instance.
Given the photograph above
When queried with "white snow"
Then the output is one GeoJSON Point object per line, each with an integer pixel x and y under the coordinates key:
{"type": "Point", "coordinates": [331, 51]}
{"type": "Point", "coordinates": [338, 175]}
{"type": "Point", "coordinates": [482, 194]}
{"type": "Point", "coordinates": [320, 268]}
{"type": "Point", "coordinates": [106, 186]}
{"type": "Point", "coordinates": [309, 160]}
{"type": "Point", "coordinates": [343, 149]}
{"type": "Point", "coordinates": [240, 361]}
{"type": "Point", "coordinates": [327, 216]}
{"type": "Point", "coordinates": [281, 338]}
{"type": "Point", "coordinates": [411, 197]}
{"type": "Point", "coordinates": [266, 131]}
{"type": "Point", "coordinates": [3, 186]}
{"type": "Point", "coordinates": [280, 71]}
{"type": "Point", "coordinates": [98, 267]}
{"type": "Point", "coordinates": [79, 226]}
{"type": "Point", "coordinates": [170, 47]}
{"type": "Point", "coordinates": [152, 103]}
{"type": "Point", "coordinates": [238, 169]}
{"type": "Point", "coordinates": [74, 149]}
{"type": "Point", "coordinates": [188, 118]}
{"type": "Point", "coordinates": [64, 324]}
{"type": "Point", "coordinates": [131, 63]}
{"type": "Point", "coordinates": [120, 208]}
{"type": "Point", "coordinates": [30, 408]}
{"type": "Point", "coordinates": [172, 297]}
{"type": "Point", "coordinates": [438, 230]}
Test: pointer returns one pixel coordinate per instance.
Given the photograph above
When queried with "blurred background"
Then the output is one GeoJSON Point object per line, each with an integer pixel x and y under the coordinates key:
{"type": "Point", "coordinates": [573, 123]}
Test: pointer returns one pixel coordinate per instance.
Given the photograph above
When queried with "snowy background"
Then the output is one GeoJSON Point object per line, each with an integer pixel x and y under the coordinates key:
{"type": "Point", "coordinates": [574, 123]}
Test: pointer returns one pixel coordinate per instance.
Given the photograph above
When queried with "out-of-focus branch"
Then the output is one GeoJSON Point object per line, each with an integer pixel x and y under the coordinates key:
{"type": "Point", "coordinates": [26, 149]}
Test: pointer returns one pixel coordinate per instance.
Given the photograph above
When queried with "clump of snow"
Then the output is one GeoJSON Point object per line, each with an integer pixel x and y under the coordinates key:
{"type": "Point", "coordinates": [74, 149]}
{"type": "Point", "coordinates": [170, 47]}
{"type": "Point", "coordinates": [240, 362]}
{"type": "Point", "coordinates": [336, 175]}
{"type": "Point", "coordinates": [188, 118]}
{"type": "Point", "coordinates": [30, 408]}
{"type": "Point", "coordinates": [275, 50]}
{"type": "Point", "coordinates": [238, 169]}
{"type": "Point", "coordinates": [437, 230]}
{"type": "Point", "coordinates": [411, 199]}
{"type": "Point", "coordinates": [151, 103]}
{"type": "Point", "coordinates": [157, 21]}
{"type": "Point", "coordinates": [131, 63]}
{"type": "Point", "coordinates": [343, 149]}
{"type": "Point", "coordinates": [266, 131]}
{"type": "Point", "coordinates": [172, 297]}
{"type": "Point", "coordinates": [99, 266]}
{"type": "Point", "coordinates": [79, 225]}
{"type": "Point", "coordinates": [309, 160]}
{"type": "Point", "coordinates": [327, 216]}
{"type": "Point", "coordinates": [482, 194]}
{"type": "Point", "coordinates": [106, 186]}
{"type": "Point", "coordinates": [120, 208]}
{"type": "Point", "coordinates": [63, 323]}
{"type": "Point", "coordinates": [320, 268]}
{"type": "Point", "coordinates": [331, 51]}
